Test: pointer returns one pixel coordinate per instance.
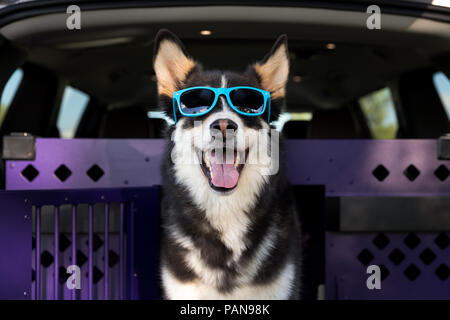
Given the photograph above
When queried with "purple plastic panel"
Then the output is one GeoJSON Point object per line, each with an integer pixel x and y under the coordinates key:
{"type": "Point", "coordinates": [122, 163]}
{"type": "Point", "coordinates": [413, 265]}
{"type": "Point", "coordinates": [344, 166]}
{"type": "Point", "coordinates": [15, 246]}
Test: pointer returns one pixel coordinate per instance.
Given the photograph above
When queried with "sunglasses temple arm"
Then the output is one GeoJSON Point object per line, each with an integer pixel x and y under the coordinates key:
{"type": "Point", "coordinates": [268, 117]}
{"type": "Point", "coordinates": [174, 112]}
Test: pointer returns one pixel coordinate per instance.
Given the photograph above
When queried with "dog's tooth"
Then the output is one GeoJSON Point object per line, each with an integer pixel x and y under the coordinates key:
{"type": "Point", "coordinates": [207, 159]}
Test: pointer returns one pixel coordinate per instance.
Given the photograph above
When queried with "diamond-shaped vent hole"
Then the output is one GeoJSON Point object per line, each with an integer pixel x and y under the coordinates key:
{"type": "Point", "coordinates": [396, 256]}
{"type": "Point", "coordinates": [380, 172]}
{"type": "Point", "coordinates": [442, 172]}
{"type": "Point", "coordinates": [411, 172]}
{"type": "Point", "coordinates": [427, 256]}
{"type": "Point", "coordinates": [365, 256]}
{"type": "Point", "coordinates": [412, 272]}
{"type": "Point", "coordinates": [98, 242]}
{"type": "Point", "coordinates": [381, 241]}
{"type": "Point", "coordinates": [412, 241]}
{"type": "Point", "coordinates": [113, 258]}
{"type": "Point", "coordinates": [442, 240]}
{"type": "Point", "coordinates": [46, 258]}
{"type": "Point", "coordinates": [30, 173]}
{"type": "Point", "coordinates": [64, 242]}
{"type": "Point", "coordinates": [63, 275]}
{"type": "Point", "coordinates": [442, 272]}
{"type": "Point", "coordinates": [384, 272]}
{"type": "Point", "coordinates": [95, 173]}
{"type": "Point", "coordinates": [98, 274]}
{"type": "Point", "coordinates": [81, 258]}
{"type": "Point", "coordinates": [63, 173]}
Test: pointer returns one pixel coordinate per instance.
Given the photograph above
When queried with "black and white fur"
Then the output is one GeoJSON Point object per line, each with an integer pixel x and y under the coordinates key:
{"type": "Point", "coordinates": [240, 244]}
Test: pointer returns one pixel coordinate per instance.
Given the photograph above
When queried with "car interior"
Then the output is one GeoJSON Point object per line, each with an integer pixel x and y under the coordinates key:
{"type": "Point", "coordinates": [346, 81]}
{"type": "Point", "coordinates": [334, 62]}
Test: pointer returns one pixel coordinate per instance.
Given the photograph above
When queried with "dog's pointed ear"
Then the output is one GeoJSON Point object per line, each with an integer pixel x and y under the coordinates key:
{"type": "Point", "coordinates": [273, 70]}
{"type": "Point", "coordinates": [171, 62]}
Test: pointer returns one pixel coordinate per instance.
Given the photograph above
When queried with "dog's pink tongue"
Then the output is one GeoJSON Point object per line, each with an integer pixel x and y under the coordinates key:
{"type": "Point", "coordinates": [223, 175]}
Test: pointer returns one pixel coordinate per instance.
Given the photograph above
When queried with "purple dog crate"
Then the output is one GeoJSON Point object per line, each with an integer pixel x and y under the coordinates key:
{"type": "Point", "coordinates": [111, 234]}
{"type": "Point", "coordinates": [387, 204]}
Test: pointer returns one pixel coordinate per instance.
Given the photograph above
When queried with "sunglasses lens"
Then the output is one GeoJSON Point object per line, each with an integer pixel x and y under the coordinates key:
{"type": "Point", "coordinates": [196, 100]}
{"type": "Point", "coordinates": [247, 100]}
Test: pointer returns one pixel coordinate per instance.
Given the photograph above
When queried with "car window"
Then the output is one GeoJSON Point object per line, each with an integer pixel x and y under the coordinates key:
{"type": "Point", "coordinates": [159, 115]}
{"type": "Point", "coordinates": [442, 84]}
{"type": "Point", "coordinates": [288, 116]}
{"type": "Point", "coordinates": [378, 108]}
{"type": "Point", "coordinates": [73, 104]}
{"type": "Point", "coordinates": [9, 92]}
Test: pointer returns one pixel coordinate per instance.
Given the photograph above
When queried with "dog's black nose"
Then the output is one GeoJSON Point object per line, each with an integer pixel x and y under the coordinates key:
{"type": "Point", "coordinates": [226, 126]}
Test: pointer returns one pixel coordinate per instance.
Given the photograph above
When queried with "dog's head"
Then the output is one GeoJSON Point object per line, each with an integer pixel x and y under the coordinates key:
{"type": "Point", "coordinates": [244, 158]}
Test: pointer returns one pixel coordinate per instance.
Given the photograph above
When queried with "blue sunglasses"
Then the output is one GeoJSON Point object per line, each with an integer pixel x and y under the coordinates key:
{"type": "Point", "coordinates": [198, 101]}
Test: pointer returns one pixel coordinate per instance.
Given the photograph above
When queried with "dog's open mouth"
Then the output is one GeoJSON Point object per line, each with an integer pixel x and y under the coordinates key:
{"type": "Point", "coordinates": [222, 172]}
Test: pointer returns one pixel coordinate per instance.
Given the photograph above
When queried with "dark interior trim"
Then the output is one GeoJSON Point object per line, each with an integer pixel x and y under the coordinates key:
{"type": "Point", "coordinates": [34, 103]}
{"type": "Point", "coordinates": [369, 214]}
{"type": "Point", "coordinates": [34, 8]}
{"type": "Point", "coordinates": [423, 109]}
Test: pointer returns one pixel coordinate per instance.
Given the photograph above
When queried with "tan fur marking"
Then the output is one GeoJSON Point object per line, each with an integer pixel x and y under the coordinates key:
{"type": "Point", "coordinates": [274, 73]}
{"type": "Point", "coordinates": [171, 67]}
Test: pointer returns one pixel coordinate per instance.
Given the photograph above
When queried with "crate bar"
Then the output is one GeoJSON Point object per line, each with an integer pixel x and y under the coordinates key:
{"type": "Point", "coordinates": [60, 197]}
{"type": "Point", "coordinates": [106, 247]}
{"type": "Point", "coordinates": [55, 252]}
{"type": "Point", "coordinates": [91, 253]}
{"type": "Point", "coordinates": [38, 254]}
{"type": "Point", "coordinates": [74, 245]}
{"type": "Point", "coordinates": [121, 251]}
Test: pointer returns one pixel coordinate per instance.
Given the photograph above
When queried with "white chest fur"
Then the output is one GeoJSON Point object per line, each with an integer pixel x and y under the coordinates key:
{"type": "Point", "coordinates": [278, 289]}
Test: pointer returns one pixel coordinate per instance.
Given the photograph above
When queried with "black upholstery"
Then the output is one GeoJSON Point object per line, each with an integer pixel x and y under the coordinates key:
{"type": "Point", "coordinates": [131, 122]}
{"type": "Point", "coordinates": [333, 124]}
{"type": "Point", "coordinates": [424, 113]}
{"type": "Point", "coordinates": [157, 127]}
{"type": "Point", "coordinates": [295, 129]}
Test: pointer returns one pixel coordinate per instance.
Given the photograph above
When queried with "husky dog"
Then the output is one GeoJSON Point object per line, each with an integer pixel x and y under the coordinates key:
{"type": "Point", "coordinates": [230, 229]}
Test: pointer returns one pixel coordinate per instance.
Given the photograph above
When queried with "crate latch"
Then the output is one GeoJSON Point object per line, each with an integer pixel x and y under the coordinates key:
{"type": "Point", "coordinates": [19, 146]}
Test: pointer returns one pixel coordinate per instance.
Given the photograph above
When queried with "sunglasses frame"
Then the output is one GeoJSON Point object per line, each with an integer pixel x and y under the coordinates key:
{"type": "Point", "coordinates": [218, 92]}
